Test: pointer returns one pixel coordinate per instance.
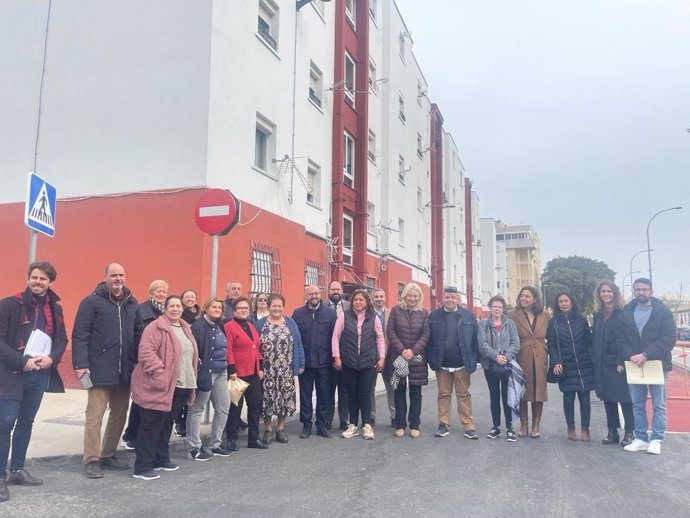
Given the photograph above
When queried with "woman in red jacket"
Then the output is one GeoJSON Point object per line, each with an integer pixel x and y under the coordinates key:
{"type": "Point", "coordinates": [244, 361]}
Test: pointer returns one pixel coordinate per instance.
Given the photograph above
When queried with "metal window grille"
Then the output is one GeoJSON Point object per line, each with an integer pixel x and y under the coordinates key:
{"type": "Point", "coordinates": [265, 276]}
{"type": "Point", "coordinates": [315, 275]}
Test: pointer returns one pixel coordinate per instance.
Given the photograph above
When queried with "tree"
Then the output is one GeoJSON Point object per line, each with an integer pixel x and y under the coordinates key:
{"type": "Point", "coordinates": [576, 275]}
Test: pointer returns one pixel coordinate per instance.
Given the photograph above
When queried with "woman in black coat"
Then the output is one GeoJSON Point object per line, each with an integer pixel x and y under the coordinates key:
{"type": "Point", "coordinates": [569, 340]}
{"type": "Point", "coordinates": [610, 383]}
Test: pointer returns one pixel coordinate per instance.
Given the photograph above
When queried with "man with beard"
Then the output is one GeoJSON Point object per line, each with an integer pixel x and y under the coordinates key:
{"type": "Point", "coordinates": [649, 334]}
{"type": "Point", "coordinates": [335, 301]}
{"type": "Point", "coordinates": [316, 322]}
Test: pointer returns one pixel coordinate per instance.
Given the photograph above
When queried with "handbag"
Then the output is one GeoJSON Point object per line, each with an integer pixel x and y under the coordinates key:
{"type": "Point", "coordinates": [551, 376]}
{"type": "Point", "coordinates": [236, 388]}
{"type": "Point", "coordinates": [499, 371]}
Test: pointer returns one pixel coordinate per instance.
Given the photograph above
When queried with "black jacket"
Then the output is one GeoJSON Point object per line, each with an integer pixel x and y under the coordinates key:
{"type": "Point", "coordinates": [658, 335]}
{"type": "Point", "coordinates": [570, 336]}
{"type": "Point", "coordinates": [17, 320]}
{"type": "Point", "coordinates": [106, 335]}
{"type": "Point", "coordinates": [466, 337]}
{"type": "Point", "coordinates": [316, 329]}
{"type": "Point", "coordinates": [367, 355]}
{"type": "Point", "coordinates": [609, 384]}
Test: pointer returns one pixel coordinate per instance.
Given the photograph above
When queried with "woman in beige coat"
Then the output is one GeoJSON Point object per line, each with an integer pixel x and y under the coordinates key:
{"type": "Point", "coordinates": [532, 322]}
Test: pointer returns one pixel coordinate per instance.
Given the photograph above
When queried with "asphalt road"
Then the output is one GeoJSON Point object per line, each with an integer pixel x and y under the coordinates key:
{"type": "Point", "coordinates": [388, 476]}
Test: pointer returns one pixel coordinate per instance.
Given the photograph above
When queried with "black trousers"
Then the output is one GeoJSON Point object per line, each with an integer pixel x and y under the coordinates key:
{"type": "Point", "coordinates": [133, 422]}
{"type": "Point", "coordinates": [253, 396]}
{"type": "Point", "coordinates": [414, 417]}
{"type": "Point", "coordinates": [153, 439]}
{"type": "Point", "coordinates": [498, 390]}
{"type": "Point", "coordinates": [569, 407]}
{"type": "Point", "coordinates": [343, 407]}
{"type": "Point", "coordinates": [321, 378]}
{"type": "Point", "coordinates": [612, 419]}
{"type": "Point", "coordinates": [358, 383]}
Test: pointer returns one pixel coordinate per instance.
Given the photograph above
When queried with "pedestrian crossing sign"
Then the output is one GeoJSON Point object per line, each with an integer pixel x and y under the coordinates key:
{"type": "Point", "coordinates": [39, 211]}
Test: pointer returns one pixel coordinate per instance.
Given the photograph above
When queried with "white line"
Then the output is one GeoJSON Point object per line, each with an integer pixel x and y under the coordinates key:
{"type": "Point", "coordinates": [218, 210]}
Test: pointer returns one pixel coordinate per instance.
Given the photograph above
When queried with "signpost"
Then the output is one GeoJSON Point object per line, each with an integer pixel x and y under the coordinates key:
{"type": "Point", "coordinates": [216, 213]}
{"type": "Point", "coordinates": [39, 210]}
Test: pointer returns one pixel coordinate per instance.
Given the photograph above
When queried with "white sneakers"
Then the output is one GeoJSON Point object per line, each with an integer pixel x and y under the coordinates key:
{"type": "Point", "coordinates": [653, 447]}
{"type": "Point", "coordinates": [367, 431]}
{"type": "Point", "coordinates": [350, 431]}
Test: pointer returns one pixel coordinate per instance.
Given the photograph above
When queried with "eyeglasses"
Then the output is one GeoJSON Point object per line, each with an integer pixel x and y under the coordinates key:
{"type": "Point", "coordinates": [243, 308]}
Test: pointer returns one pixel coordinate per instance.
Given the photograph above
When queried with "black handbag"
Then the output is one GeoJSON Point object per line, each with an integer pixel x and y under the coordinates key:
{"type": "Point", "coordinates": [499, 371]}
{"type": "Point", "coordinates": [551, 376]}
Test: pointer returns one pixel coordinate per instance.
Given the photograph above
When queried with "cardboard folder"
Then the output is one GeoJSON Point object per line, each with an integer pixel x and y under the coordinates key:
{"type": "Point", "coordinates": [650, 372]}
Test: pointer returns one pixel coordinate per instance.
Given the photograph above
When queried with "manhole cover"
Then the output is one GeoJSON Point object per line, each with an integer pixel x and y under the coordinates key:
{"type": "Point", "coordinates": [75, 419]}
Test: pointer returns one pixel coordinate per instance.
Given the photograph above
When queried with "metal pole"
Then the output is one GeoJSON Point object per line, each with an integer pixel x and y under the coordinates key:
{"type": "Point", "coordinates": [631, 266]}
{"type": "Point", "coordinates": [33, 235]}
{"type": "Point", "coordinates": [649, 252]}
{"type": "Point", "coordinates": [214, 264]}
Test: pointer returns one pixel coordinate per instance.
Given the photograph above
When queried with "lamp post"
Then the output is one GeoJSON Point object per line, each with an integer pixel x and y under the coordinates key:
{"type": "Point", "coordinates": [649, 251]}
{"type": "Point", "coordinates": [631, 270]}
{"type": "Point", "coordinates": [629, 274]}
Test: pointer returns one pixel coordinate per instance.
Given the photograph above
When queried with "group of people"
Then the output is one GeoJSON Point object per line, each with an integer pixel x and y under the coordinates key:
{"type": "Point", "coordinates": [170, 352]}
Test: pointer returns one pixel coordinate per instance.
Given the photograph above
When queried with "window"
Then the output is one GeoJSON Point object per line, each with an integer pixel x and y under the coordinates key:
{"type": "Point", "coordinates": [349, 84]}
{"type": "Point", "coordinates": [420, 93]}
{"type": "Point", "coordinates": [401, 232]}
{"type": "Point", "coordinates": [420, 204]}
{"type": "Point", "coordinates": [348, 238]}
{"type": "Point", "coordinates": [401, 107]}
{"type": "Point", "coordinates": [401, 45]}
{"type": "Point", "coordinates": [371, 218]}
{"type": "Point", "coordinates": [372, 77]}
{"type": "Point", "coordinates": [264, 143]}
{"type": "Point", "coordinates": [265, 276]}
{"type": "Point", "coordinates": [267, 28]}
{"type": "Point", "coordinates": [371, 282]}
{"type": "Point", "coordinates": [348, 160]}
{"type": "Point", "coordinates": [313, 183]}
{"type": "Point", "coordinates": [315, 84]}
{"type": "Point", "coordinates": [371, 149]}
{"type": "Point", "coordinates": [401, 287]}
{"type": "Point", "coordinates": [420, 151]}
{"type": "Point", "coordinates": [420, 254]}
{"type": "Point", "coordinates": [314, 274]}
{"type": "Point", "coordinates": [373, 7]}
{"type": "Point", "coordinates": [350, 11]}
{"type": "Point", "coordinates": [401, 168]}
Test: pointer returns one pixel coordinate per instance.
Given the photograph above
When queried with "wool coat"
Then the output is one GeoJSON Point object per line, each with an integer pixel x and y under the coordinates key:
{"type": "Point", "coordinates": [533, 355]}
{"type": "Point", "coordinates": [609, 384]}
{"type": "Point", "coordinates": [244, 353]}
{"type": "Point", "coordinates": [156, 373]}
{"type": "Point", "coordinates": [570, 340]}
{"type": "Point", "coordinates": [407, 330]}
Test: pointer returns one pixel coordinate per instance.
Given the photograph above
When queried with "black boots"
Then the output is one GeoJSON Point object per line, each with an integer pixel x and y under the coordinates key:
{"type": "Point", "coordinates": [612, 437]}
{"type": "Point", "coordinates": [627, 438]}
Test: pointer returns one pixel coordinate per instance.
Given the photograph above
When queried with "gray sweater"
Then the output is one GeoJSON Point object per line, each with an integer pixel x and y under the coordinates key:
{"type": "Point", "coordinates": [492, 341]}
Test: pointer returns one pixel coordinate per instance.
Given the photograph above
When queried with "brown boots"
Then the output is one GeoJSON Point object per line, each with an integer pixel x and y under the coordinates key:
{"type": "Point", "coordinates": [523, 419]}
{"type": "Point", "coordinates": [584, 436]}
{"type": "Point", "coordinates": [572, 433]}
{"type": "Point", "coordinates": [537, 407]}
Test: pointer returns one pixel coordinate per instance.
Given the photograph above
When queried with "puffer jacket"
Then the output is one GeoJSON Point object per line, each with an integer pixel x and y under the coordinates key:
{"type": "Point", "coordinates": [212, 358]}
{"type": "Point", "coordinates": [658, 336]}
{"type": "Point", "coordinates": [408, 330]}
{"type": "Point", "coordinates": [570, 341]}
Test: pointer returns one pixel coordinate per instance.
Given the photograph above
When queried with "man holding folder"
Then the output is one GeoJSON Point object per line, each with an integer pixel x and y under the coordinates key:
{"type": "Point", "coordinates": [649, 335]}
{"type": "Point", "coordinates": [32, 340]}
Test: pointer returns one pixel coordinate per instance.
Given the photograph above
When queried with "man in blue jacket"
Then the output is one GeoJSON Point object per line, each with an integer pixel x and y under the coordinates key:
{"type": "Point", "coordinates": [104, 348]}
{"type": "Point", "coordinates": [452, 352]}
{"type": "Point", "coordinates": [649, 334]}
{"type": "Point", "coordinates": [23, 377]}
{"type": "Point", "coordinates": [316, 321]}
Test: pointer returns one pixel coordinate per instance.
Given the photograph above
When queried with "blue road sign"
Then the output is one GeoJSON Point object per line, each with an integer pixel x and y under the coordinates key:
{"type": "Point", "coordinates": [39, 211]}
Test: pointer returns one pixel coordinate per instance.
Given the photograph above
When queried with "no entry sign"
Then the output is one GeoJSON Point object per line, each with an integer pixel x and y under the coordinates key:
{"type": "Point", "coordinates": [217, 212]}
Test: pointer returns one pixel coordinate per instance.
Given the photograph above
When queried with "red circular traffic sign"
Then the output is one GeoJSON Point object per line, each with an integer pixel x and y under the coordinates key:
{"type": "Point", "coordinates": [217, 212]}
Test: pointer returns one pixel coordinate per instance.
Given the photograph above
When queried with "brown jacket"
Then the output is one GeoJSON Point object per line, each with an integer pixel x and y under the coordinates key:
{"type": "Point", "coordinates": [533, 356]}
{"type": "Point", "coordinates": [160, 352]}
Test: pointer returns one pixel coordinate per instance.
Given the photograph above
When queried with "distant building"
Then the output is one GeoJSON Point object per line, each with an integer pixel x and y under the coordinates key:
{"type": "Point", "coordinates": [523, 257]}
{"type": "Point", "coordinates": [493, 261]}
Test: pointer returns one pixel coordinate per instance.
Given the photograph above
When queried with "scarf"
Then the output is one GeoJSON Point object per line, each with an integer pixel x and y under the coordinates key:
{"type": "Point", "coordinates": [158, 306]}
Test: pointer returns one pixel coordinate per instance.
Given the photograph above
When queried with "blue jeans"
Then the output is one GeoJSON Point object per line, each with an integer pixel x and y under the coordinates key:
{"type": "Point", "coordinates": [638, 394]}
{"type": "Point", "coordinates": [19, 416]}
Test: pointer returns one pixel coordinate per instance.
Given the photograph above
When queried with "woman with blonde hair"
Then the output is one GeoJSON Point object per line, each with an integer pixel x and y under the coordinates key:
{"type": "Point", "coordinates": [610, 384]}
{"type": "Point", "coordinates": [408, 334]}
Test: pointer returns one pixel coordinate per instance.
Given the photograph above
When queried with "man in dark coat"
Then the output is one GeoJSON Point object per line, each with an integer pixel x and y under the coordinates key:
{"type": "Point", "coordinates": [104, 349]}
{"type": "Point", "coordinates": [316, 322]}
{"type": "Point", "coordinates": [336, 301]}
{"type": "Point", "coordinates": [650, 334]}
{"type": "Point", "coordinates": [25, 375]}
{"type": "Point", "coordinates": [452, 352]}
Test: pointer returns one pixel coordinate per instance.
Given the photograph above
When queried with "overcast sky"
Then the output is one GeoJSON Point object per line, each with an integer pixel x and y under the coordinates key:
{"type": "Point", "coordinates": [572, 117]}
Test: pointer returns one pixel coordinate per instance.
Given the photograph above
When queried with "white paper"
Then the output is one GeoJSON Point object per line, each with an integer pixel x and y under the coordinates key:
{"type": "Point", "coordinates": [651, 373]}
{"type": "Point", "coordinates": [39, 344]}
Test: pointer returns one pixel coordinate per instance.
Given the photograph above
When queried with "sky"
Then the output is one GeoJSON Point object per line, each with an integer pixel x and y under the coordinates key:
{"type": "Point", "coordinates": [572, 117]}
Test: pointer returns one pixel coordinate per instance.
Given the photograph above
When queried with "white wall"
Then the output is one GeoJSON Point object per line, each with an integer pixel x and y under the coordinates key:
{"type": "Point", "coordinates": [453, 216]}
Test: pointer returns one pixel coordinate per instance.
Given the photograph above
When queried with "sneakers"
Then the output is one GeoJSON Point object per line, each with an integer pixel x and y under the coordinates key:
{"type": "Point", "coordinates": [400, 432]}
{"type": "Point", "coordinates": [494, 433]}
{"type": "Point", "coordinates": [510, 435]}
{"type": "Point", "coordinates": [147, 475]}
{"type": "Point", "coordinates": [471, 434]}
{"type": "Point", "coordinates": [414, 433]}
{"type": "Point", "coordinates": [200, 454]}
{"type": "Point", "coordinates": [93, 469]}
{"type": "Point", "coordinates": [112, 463]}
{"type": "Point", "coordinates": [654, 447]}
{"type": "Point", "coordinates": [221, 452]}
{"type": "Point", "coordinates": [442, 430]}
{"type": "Point", "coordinates": [350, 431]}
{"type": "Point", "coordinates": [21, 477]}
{"type": "Point", "coordinates": [638, 445]}
{"type": "Point", "coordinates": [128, 445]}
{"type": "Point", "coordinates": [166, 466]}
{"type": "Point", "coordinates": [367, 432]}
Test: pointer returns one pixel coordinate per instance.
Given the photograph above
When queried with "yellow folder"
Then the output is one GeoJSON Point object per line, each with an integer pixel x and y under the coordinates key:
{"type": "Point", "coordinates": [650, 373]}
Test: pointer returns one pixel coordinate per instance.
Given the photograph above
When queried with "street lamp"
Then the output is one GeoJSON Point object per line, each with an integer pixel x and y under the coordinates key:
{"type": "Point", "coordinates": [630, 274]}
{"type": "Point", "coordinates": [631, 271]}
{"type": "Point", "coordinates": [649, 251]}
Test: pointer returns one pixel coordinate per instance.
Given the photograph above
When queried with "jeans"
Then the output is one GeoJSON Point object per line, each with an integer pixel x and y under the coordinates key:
{"type": "Point", "coordinates": [569, 407]}
{"type": "Point", "coordinates": [638, 394]}
{"type": "Point", "coordinates": [401, 406]}
{"type": "Point", "coordinates": [220, 399]}
{"type": "Point", "coordinates": [358, 384]}
{"type": "Point", "coordinates": [19, 415]}
{"type": "Point", "coordinates": [321, 377]}
{"type": "Point", "coordinates": [498, 390]}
